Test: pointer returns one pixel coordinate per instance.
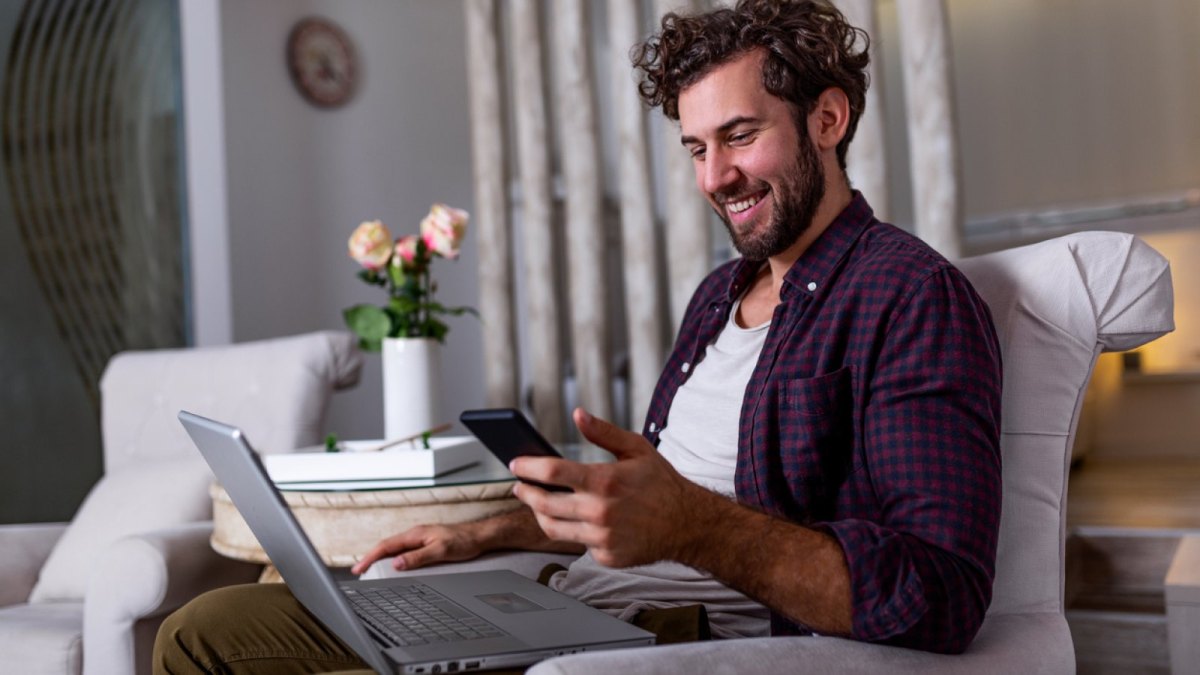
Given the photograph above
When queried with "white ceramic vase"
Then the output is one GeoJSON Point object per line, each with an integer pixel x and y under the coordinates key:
{"type": "Point", "coordinates": [411, 386]}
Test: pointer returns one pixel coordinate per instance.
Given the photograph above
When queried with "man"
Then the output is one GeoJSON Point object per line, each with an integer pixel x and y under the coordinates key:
{"type": "Point", "coordinates": [821, 454]}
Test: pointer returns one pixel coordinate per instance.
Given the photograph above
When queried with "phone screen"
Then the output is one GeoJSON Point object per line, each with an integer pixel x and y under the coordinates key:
{"type": "Point", "coordinates": [508, 435]}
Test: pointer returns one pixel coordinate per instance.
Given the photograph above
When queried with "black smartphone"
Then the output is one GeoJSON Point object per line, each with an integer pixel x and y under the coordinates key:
{"type": "Point", "coordinates": [508, 435]}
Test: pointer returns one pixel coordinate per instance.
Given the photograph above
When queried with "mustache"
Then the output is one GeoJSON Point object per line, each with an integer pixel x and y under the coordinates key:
{"type": "Point", "coordinates": [741, 193]}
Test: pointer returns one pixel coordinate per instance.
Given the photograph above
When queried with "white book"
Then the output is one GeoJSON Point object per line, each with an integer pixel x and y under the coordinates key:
{"type": "Point", "coordinates": [446, 454]}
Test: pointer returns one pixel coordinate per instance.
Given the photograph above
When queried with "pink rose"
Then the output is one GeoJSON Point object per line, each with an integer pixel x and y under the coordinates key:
{"type": "Point", "coordinates": [443, 230]}
{"type": "Point", "coordinates": [371, 244]}
{"type": "Point", "coordinates": [406, 250]}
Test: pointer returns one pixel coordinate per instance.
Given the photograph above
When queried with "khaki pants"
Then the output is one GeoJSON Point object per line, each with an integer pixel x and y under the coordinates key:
{"type": "Point", "coordinates": [262, 628]}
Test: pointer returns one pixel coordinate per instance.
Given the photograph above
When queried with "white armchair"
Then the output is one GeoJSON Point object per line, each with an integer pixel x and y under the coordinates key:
{"type": "Point", "coordinates": [1056, 305]}
{"type": "Point", "coordinates": [88, 596]}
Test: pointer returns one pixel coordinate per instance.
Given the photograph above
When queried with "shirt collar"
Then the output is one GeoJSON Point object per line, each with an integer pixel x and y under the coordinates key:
{"type": "Point", "coordinates": [814, 267]}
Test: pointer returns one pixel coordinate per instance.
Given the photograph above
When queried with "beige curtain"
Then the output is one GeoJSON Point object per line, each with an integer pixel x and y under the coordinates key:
{"type": "Point", "coordinates": [609, 229]}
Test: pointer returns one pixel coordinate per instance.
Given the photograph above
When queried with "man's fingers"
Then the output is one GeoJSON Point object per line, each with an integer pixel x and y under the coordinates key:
{"type": "Point", "coordinates": [549, 470]}
{"type": "Point", "coordinates": [362, 565]}
{"type": "Point", "coordinates": [569, 530]}
{"type": "Point", "coordinates": [379, 552]}
{"type": "Point", "coordinates": [560, 505]}
{"type": "Point", "coordinates": [411, 560]}
{"type": "Point", "coordinates": [620, 442]}
{"type": "Point", "coordinates": [387, 547]}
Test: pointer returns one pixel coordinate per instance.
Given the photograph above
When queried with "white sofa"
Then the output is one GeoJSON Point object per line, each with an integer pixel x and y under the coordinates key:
{"type": "Point", "coordinates": [88, 596]}
{"type": "Point", "coordinates": [1057, 305]}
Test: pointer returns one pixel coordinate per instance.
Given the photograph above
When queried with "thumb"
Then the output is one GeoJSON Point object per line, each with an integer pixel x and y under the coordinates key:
{"type": "Point", "coordinates": [622, 443]}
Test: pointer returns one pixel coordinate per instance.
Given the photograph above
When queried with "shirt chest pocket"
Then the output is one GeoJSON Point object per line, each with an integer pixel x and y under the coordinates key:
{"type": "Point", "coordinates": [815, 436]}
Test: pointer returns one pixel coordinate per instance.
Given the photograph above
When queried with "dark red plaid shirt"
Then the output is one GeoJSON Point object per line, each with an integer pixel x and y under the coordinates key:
{"type": "Point", "coordinates": [873, 415]}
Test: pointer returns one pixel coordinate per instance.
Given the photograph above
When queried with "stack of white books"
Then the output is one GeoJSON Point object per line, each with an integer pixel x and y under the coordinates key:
{"type": "Point", "coordinates": [357, 462]}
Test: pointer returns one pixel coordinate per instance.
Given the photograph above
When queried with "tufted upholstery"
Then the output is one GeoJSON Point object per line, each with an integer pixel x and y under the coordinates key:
{"type": "Point", "coordinates": [138, 546]}
{"type": "Point", "coordinates": [1056, 305]}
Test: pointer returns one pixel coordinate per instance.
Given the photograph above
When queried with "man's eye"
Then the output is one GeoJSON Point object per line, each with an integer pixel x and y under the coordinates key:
{"type": "Point", "coordinates": [697, 152]}
{"type": "Point", "coordinates": [741, 138]}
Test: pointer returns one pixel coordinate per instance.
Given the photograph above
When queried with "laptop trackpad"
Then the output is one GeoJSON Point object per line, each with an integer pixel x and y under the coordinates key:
{"type": "Point", "coordinates": [510, 603]}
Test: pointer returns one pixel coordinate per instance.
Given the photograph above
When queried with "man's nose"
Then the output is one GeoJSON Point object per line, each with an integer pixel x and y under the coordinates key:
{"type": "Point", "coordinates": [716, 173]}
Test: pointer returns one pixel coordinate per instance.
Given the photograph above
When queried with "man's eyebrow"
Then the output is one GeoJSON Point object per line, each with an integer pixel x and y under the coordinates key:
{"type": "Point", "coordinates": [731, 123]}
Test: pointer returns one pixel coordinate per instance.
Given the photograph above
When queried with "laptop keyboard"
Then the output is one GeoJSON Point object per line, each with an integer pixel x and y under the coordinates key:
{"type": "Point", "coordinates": [416, 615]}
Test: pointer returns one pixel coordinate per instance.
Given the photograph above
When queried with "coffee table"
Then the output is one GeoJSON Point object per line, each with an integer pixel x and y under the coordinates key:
{"type": "Point", "coordinates": [344, 520]}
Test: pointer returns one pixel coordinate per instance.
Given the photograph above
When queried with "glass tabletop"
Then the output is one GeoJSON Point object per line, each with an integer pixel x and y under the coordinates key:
{"type": "Point", "coordinates": [487, 470]}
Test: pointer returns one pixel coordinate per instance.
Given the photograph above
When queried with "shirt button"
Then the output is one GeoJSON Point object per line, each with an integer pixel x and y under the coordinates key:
{"type": "Point", "coordinates": [653, 427]}
{"type": "Point", "coordinates": [812, 285]}
{"type": "Point", "coordinates": [685, 367]}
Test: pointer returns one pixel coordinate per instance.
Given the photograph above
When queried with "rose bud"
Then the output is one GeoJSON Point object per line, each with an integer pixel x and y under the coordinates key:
{"type": "Point", "coordinates": [406, 250]}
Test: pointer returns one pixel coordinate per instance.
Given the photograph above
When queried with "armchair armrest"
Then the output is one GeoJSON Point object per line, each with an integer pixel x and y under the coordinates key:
{"type": "Point", "coordinates": [155, 573]}
{"type": "Point", "coordinates": [1015, 643]}
{"type": "Point", "coordinates": [23, 550]}
{"type": "Point", "coordinates": [147, 576]}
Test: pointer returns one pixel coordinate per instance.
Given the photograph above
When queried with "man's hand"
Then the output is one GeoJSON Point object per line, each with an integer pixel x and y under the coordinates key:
{"type": "Point", "coordinates": [639, 510]}
{"type": "Point", "coordinates": [430, 544]}
{"type": "Point", "coordinates": [634, 511]}
{"type": "Point", "coordinates": [425, 545]}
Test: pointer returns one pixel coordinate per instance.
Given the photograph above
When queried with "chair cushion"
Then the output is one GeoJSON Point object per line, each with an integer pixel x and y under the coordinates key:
{"type": "Point", "coordinates": [44, 639]}
{"type": "Point", "coordinates": [1056, 305]}
{"type": "Point", "coordinates": [1025, 643]}
{"type": "Point", "coordinates": [275, 390]}
{"type": "Point", "coordinates": [133, 499]}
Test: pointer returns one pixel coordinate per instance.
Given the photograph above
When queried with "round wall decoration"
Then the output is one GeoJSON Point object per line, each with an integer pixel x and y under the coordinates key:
{"type": "Point", "coordinates": [322, 62]}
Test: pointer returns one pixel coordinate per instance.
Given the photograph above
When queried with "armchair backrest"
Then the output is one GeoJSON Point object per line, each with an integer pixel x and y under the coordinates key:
{"type": "Point", "coordinates": [276, 390]}
{"type": "Point", "coordinates": [1057, 305]}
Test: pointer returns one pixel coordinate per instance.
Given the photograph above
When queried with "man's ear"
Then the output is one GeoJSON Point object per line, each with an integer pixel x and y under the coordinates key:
{"type": "Point", "coordinates": [829, 119]}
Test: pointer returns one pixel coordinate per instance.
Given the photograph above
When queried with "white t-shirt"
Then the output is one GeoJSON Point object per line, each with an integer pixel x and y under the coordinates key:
{"type": "Point", "coordinates": [700, 440]}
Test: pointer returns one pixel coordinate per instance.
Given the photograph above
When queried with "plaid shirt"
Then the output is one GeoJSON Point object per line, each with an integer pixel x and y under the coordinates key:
{"type": "Point", "coordinates": [873, 415]}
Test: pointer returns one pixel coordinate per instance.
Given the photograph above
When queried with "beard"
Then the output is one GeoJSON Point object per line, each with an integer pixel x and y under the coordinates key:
{"type": "Point", "coordinates": [796, 201]}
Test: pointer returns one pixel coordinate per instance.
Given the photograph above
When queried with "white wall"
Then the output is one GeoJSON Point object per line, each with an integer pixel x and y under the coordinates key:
{"type": "Point", "coordinates": [299, 178]}
{"type": "Point", "coordinates": [1079, 101]}
{"type": "Point", "coordinates": [211, 301]}
{"type": "Point", "coordinates": [1060, 104]}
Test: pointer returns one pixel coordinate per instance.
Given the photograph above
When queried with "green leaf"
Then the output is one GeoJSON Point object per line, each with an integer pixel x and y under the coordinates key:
{"type": "Point", "coordinates": [396, 274]}
{"type": "Point", "coordinates": [438, 308]}
{"type": "Point", "coordinates": [370, 323]}
{"type": "Point", "coordinates": [436, 330]}
{"type": "Point", "coordinates": [403, 305]}
{"type": "Point", "coordinates": [372, 277]}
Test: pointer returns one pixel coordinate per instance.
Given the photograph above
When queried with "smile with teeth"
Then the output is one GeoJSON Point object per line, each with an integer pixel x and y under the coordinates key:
{"type": "Point", "coordinates": [745, 203]}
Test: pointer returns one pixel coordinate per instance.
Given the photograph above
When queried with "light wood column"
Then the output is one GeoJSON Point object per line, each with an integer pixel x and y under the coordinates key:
{"type": "Point", "coordinates": [586, 246]}
{"type": "Point", "coordinates": [932, 129]}
{"type": "Point", "coordinates": [491, 216]}
{"type": "Point", "coordinates": [867, 157]}
{"type": "Point", "coordinates": [688, 233]}
{"type": "Point", "coordinates": [644, 313]}
{"type": "Point", "coordinates": [537, 228]}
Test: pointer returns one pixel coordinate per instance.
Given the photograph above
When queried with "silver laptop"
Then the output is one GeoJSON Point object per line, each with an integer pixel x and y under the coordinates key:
{"type": "Point", "coordinates": [434, 623]}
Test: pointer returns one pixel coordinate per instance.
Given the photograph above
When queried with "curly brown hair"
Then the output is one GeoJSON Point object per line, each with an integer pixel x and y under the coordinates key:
{"type": "Point", "coordinates": [810, 47]}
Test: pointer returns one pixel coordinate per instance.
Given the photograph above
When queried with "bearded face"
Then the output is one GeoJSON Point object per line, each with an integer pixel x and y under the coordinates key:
{"type": "Point", "coordinates": [754, 156]}
{"type": "Point", "coordinates": [796, 196]}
